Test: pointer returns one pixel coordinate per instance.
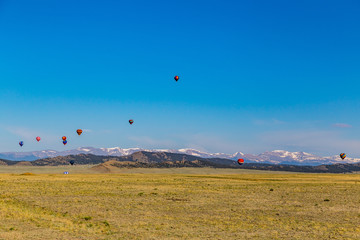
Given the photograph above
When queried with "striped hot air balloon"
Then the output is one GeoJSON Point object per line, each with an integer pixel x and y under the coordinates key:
{"type": "Point", "coordinates": [343, 156]}
{"type": "Point", "coordinates": [79, 132]}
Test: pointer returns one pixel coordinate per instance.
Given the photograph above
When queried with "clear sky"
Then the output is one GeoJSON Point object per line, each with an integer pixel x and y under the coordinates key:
{"type": "Point", "coordinates": [255, 76]}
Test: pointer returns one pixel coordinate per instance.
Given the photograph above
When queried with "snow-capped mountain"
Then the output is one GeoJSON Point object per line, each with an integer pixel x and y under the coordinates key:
{"type": "Point", "coordinates": [29, 156]}
{"type": "Point", "coordinates": [273, 157]}
{"type": "Point", "coordinates": [297, 158]}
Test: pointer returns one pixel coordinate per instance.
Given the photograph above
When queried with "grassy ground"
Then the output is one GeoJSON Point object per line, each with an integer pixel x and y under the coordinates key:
{"type": "Point", "coordinates": [87, 169]}
{"type": "Point", "coordinates": [160, 204]}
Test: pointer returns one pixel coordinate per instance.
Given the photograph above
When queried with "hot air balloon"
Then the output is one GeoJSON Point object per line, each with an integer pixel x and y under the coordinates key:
{"type": "Point", "coordinates": [131, 121]}
{"type": "Point", "coordinates": [38, 139]}
{"type": "Point", "coordinates": [64, 138]}
{"type": "Point", "coordinates": [64, 142]}
{"type": "Point", "coordinates": [343, 156]}
{"type": "Point", "coordinates": [176, 78]}
{"type": "Point", "coordinates": [240, 161]}
{"type": "Point", "coordinates": [72, 162]}
{"type": "Point", "coordinates": [79, 132]}
{"type": "Point", "coordinates": [21, 143]}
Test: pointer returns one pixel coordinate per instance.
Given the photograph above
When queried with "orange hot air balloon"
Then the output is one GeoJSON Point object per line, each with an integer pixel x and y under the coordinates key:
{"type": "Point", "coordinates": [176, 78]}
{"type": "Point", "coordinates": [240, 161]}
{"type": "Point", "coordinates": [63, 138]}
{"type": "Point", "coordinates": [38, 139]}
{"type": "Point", "coordinates": [79, 132]}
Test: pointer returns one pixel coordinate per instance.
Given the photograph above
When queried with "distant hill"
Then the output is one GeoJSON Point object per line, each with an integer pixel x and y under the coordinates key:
{"type": "Point", "coordinates": [80, 159]}
{"type": "Point", "coordinates": [141, 159]}
{"type": "Point", "coordinates": [4, 162]}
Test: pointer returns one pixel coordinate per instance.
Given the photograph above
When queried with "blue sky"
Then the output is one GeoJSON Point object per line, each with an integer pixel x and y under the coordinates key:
{"type": "Point", "coordinates": [254, 75]}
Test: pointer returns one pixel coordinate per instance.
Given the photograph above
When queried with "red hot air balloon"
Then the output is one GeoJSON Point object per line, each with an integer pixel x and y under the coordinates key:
{"type": "Point", "coordinates": [79, 132]}
{"type": "Point", "coordinates": [63, 138]}
{"type": "Point", "coordinates": [176, 78]}
{"type": "Point", "coordinates": [240, 161]}
{"type": "Point", "coordinates": [38, 139]}
{"type": "Point", "coordinates": [131, 121]}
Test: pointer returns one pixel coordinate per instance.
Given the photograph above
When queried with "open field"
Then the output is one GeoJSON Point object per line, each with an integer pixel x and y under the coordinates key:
{"type": "Point", "coordinates": [87, 169]}
{"type": "Point", "coordinates": [178, 204]}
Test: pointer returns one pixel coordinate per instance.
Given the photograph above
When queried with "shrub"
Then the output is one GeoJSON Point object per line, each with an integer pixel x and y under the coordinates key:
{"type": "Point", "coordinates": [27, 174]}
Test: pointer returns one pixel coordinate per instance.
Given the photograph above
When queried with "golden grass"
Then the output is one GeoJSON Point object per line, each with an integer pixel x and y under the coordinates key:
{"type": "Point", "coordinates": [159, 204]}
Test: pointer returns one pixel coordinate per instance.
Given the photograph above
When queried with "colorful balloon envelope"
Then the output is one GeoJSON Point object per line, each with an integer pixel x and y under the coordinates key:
{"type": "Point", "coordinates": [64, 138]}
{"type": "Point", "coordinates": [240, 161]}
{"type": "Point", "coordinates": [65, 142]}
{"type": "Point", "coordinates": [21, 143]}
{"type": "Point", "coordinates": [131, 121]}
{"type": "Point", "coordinates": [38, 139]}
{"type": "Point", "coordinates": [176, 78]}
{"type": "Point", "coordinates": [79, 132]}
{"type": "Point", "coordinates": [343, 155]}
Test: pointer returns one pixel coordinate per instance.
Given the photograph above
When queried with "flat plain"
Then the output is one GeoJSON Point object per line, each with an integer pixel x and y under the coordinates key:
{"type": "Point", "coordinates": [188, 203]}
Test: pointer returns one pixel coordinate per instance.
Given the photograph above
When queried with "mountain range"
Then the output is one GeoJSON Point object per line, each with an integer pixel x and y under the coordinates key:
{"type": "Point", "coordinates": [143, 159]}
{"type": "Point", "coordinates": [270, 157]}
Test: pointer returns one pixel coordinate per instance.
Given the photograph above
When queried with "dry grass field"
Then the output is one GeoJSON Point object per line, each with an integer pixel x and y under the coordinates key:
{"type": "Point", "coordinates": [177, 204]}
